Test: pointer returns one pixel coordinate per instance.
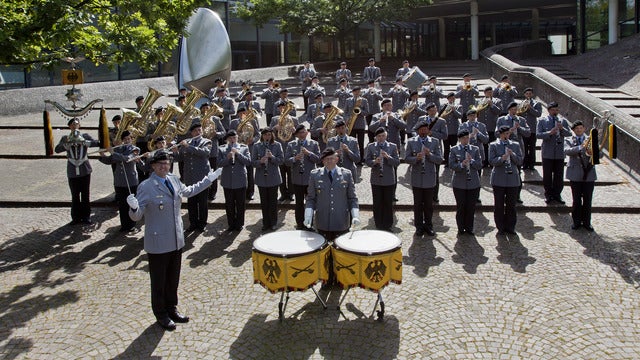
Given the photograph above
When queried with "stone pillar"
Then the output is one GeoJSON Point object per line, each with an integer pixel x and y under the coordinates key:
{"type": "Point", "coordinates": [613, 21]}
{"type": "Point", "coordinates": [376, 41]}
{"type": "Point", "coordinates": [535, 24]}
{"type": "Point", "coordinates": [442, 39]}
{"type": "Point", "coordinates": [304, 48]}
{"type": "Point", "coordinates": [475, 38]}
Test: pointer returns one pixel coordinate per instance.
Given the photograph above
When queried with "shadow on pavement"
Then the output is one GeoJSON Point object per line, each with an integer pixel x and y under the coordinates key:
{"type": "Point", "coordinates": [422, 256]}
{"type": "Point", "coordinates": [469, 253]}
{"type": "Point", "coordinates": [512, 252]}
{"type": "Point", "coordinates": [144, 345]}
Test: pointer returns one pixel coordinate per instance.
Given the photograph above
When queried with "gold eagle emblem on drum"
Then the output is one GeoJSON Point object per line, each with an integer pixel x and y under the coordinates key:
{"type": "Point", "coordinates": [376, 270]}
{"type": "Point", "coordinates": [271, 270]}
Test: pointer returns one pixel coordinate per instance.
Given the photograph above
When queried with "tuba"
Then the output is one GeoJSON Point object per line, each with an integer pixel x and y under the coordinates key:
{"type": "Point", "coordinates": [408, 110]}
{"type": "Point", "coordinates": [354, 115]}
{"type": "Point", "coordinates": [329, 124]}
{"type": "Point", "coordinates": [208, 125]}
{"type": "Point", "coordinates": [166, 127]}
{"type": "Point", "coordinates": [139, 127]}
{"type": "Point", "coordinates": [286, 125]}
{"type": "Point", "coordinates": [483, 104]}
{"type": "Point", "coordinates": [183, 121]}
{"type": "Point", "coordinates": [523, 107]}
{"type": "Point", "coordinates": [245, 128]}
{"type": "Point", "coordinates": [129, 120]}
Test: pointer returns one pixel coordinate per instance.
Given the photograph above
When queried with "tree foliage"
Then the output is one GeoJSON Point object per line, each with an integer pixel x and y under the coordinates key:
{"type": "Point", "coordinates": [41, 32]}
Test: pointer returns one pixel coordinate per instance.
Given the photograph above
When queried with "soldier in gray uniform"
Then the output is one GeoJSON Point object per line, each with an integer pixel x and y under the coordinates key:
{"type": "Point", "coordinates": [552, 130]}
{"type": "Point", "coordinates": [413, 116]}
{"type": "Point", "coordinates": [531, 114]}
{"type": "Point", "coordinates": [383, 159]}
{"type": "Point", "coordinates": [519, 131]}
{"type": "Point", "coordinates": [214, 135]}
{"type": "Point", "coordinates": [301, 156]}
{"type": "Point", "coordinates": [314, 110]}
{"type": "Point", "coordinates": [359, 125]}
{"type": "Point", "coordinates": [78, 170]}
{"type": "Point", "coordinates": [270, 96]}
{"type": "Point", "coordinates": [343, 73]}
{"type": "Point", "coordinates": [249, 102]}
{"type": "Point", "coordinates": [373, 96]}
{"type": "Point", "coordinates": [467, 93]}
{"type": "Point", "coordinates": [226, 103]}
{"type": "Point", "coordinates": [194, 153]}
{"type": "Point", "coordinates": [398, 94]}
{"type": "Point", "coordinates": [266, 158]}
{"type": "Point", "coordinates": [390, 121]}
{"type": "Point", "coordinates": [314, 89]}
{"type": "Point", "coordinates": [158, 201]}
{"type": "Point", "coordinates": [432, 92]}
{"type": "Point", "coordinates": [466, 163]}
{"type": "Point", "coordinates": [423, 153]}
{"type": "Point", "coordinates": [478, 135]}
{"type": "Point", "coordinates": [346, 148]}
{"type": "Point", "coordinates": [404, 70]}
{"type": "Point", "coordinates": [332, 196]}
{"type": "Point", "coordinates": [318, 130]}
{"type": "Point", "coordinates": [489, 116]}
{"type": "Point", "coordinates": [125, 177]}
{"type": "Point", "coordinates": [506, 93]}
{"type": "Point", "coordinates": [234, 158]}
{"type": "Point", "coordinates": [342, 93]}
{"type": "Point", "coordinates": [581, 175]}
{"type": "Point", "coordinates": [452, 119]}
{"type": "Point", "coordinates": [504, 156]}
{"type": "Point", "coordinates": [255, 124]}
{"type": "Point", "coordinates": [286, 187]}
{"type": "Point", "coordinates": [284, 98]}
{"type": "Point", "coordinates": [306, 74]}
{"type": "Point", "coordinates": [438, 130]}
{"type": "Point", "coordinates": [371, 72]}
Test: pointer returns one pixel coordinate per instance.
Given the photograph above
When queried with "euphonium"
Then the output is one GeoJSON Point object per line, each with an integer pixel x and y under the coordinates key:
{"type": "Point", "coordinates": [285, 124]}
{"type": "Point", "coordinates": [183, 121]}
{"type": "Point", "coordinates": [165, 127]}
{"type": "Point", "coordinates": [139, 127]}
{"type": "Point", "coordinates": [129, 119]}
{"type": "Point", "coordinates": [354, 115]}
{"type": "Point", "coordinates": [523, 107]}
{"type": "Point", "coordinates": [329, 124]}
{"type": "Point", "coordinates": [483, 104]}
{"type": "Point", "coordinates": [409, 109]}
{"type": "Point", "coordinates": [245, 128]}
{"type": "Point", "coordinates": [208, 125]}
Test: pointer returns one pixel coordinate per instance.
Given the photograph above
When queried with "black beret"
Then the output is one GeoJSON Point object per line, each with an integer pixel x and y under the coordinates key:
{"type": "Point", "coordinates": [430, 105]}
{"type": "Point", "coordinates": [218, 80]}
{"type": "Point", "coordinates": [160, 138]}
{"type": "Point", "coordinates": [266, 130]}
{"type": "Point", "coordinates": [159, 109]}
{"type": "Point", "coordinates": [181, 97]}
{"type": "Point", "coordinates": [125, 134]}
{"type": "Point", "coordinates": [220, 89]}
{"type": "Point", "coordinates": [72, 120]}
{"type": "Point", "coordinates": [204, 104]}
{"type": "Point", "coordinates": [183, 89]}
{"type": "Point", "coordinates": [488, 88]}
{"type": "Point", "coordinates": [421, 124]}
{"type": "Point", "coordinates": [318, 95]}
{"type": "Point", "coordinates": [249, 92]}
{"type": "Point", "coordinates": [230, 133]}
{"type": "Point", "coordinates": [503, 129]}
{"type": "Point", "coordinates": [504, 77]}
{"type": "Point", "coordinates": [472, 112]}
{"type": "Point", "coordinates": [380, 130]}
{"type": "Point", "coordinates": [343, 63]}
{"type": "Point", "coordinates": [327, 152]}
{"type": "Point", "coordinates": [405, 62]}
{"type": "Point", "coordinates": [280, 103]}
{"type": "Point", "coordinates": [371, 59]}
{"type": "Point", "coordinates": [139, 98]}
{"type": "Point", "coordinates": [299, 128]}
{"type": "Point", "coordinates": [552, 104]}
{"type": "Point", "coordinates": [385, 101]}
{"type": "Point", "coordinates": [355, 88]}
{"type": "Point", "coordinates": [576, 123]}
{"type": "Point", "coordinates": [371, 81]}
{"type": "Point", "coordinates": [116, 118]}
{"type": "Point", "coordinates": [339, 123]}
{"type": "Point", "coordinates": [413, 93]}
{"type": "Point", "coordinates": [451, 94]}
{"type": "Point", "coordinates": [466, 75]}
{"type": "Point", "coordinates": [270, 79]}
{"type": "Point", "coordinates": [327, 106]}
{"type": "Point", "coordinates": [463, 133]}
{"type": "Point", "coordinates": [528, 89]}
{"type": "Point", "coordinates": [161, 155]}
{"type": "Point", "coordinates": [194, 126]}
{"type": "Point", "coordinates": [342, 80]}
{"type": "Point", "coordinates": [314, 77]}
{"type": "Point", "coordinates": [307, 62]}
{"type": "Point", "coordinates": [241, 108]}
{"type": "Point", "coordinates": [283, 90]}
{"type": "Point", "coordinates": [432, 77]}
{"type": "Point", "coordinates": [512, 104]}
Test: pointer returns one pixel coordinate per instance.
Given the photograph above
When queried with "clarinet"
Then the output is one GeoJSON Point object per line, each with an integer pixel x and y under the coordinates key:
{"type": "Point", "coordinates": [301, 168]}
{"type": "Point", "coordinates": [508, 167]}
{"type": "Point", "coordinates": [381, 173]}
{"type": "Point", "coordinates": [341, 162]}
{"type": "Point", "coordinates": [233, 156]}
{"type": "Point", "coordinates": [467, 156]}
{"type": "Point", "coordinates": [266, 167]}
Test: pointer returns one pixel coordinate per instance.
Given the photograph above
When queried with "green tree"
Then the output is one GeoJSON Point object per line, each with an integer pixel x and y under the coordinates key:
{"type": "Point", "coordinates": [41, 32]}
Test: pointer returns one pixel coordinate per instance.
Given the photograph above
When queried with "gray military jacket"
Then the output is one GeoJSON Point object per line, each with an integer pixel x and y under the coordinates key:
{"type": "Point", "coordinates": [413, 117]}
{"type": "Point", "coordinates": [393, 126]}
{"type": "Point", "coordinates": [267, 175]}
{"type": "Point", "coordinates": [350, 158]}
{"type": "Point", "coordinates": [579, 161]}
{"type": "Point", "coordinates": [423, 172]}
{"type": "Point", "coordinates": [342, 96]}
{"type": "Point", "coordinates": [77, 160]}
{"type": "Point", "coordinates": [433, 96]}
{"type": "Point", "coordinates": [489, 115]}
{"type": "Point", "coordinates": [270, 97]}
{"type": "Point", "coordinates": [505, 173]}
{"type": "Point", "coordinates": [163, 229]}
{"type": "Point", "coordinates": [506, 97]}
{"type": "Point", "coordinates": [332, 200]}
{"type": "Point", "coordinates": [398, 97]}
{"type": "Point", "coordinates": [234, 171]}
{"type": "Point", "coordinates": [228, 109]}
{"type": "Point", "coordinates": [373, 100]}
{"type": "Point", "coordinates": [481, 138]}
{"type": "Point", "coordinates": [195, 158]}
{"type": "Point", "coordinates": [371, 73]}
{"type": "Point", "coordinates": [300, 170]}
{"type": "Point", "coordinates": [463, 177]}
{"type": "Point", "coordinates": [125, 174]}
{"type": "Point", "coordinates": [274, 122]}
{"type": "Point", "coordinates": [523, 131]}
{"type": "Point", "coordinates": [467, 97]}
{"type": "Point", "coordinates": [552, 145]}
{"type": "Point", "coordinates": [439, 130]}
{"type": "Point", "coordinates": [533, 113]}
{"type": "Point", "coordinates": [360, 123]}
{"type": "Point", "coordinates": [382, 175]}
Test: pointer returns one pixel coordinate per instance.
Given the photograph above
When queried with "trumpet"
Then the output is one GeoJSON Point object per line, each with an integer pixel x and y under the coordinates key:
{"type": "Point", "coordinates": [276, 85]}
{"type": "Point", "coordinates": [467, 86]}
{"type": "Point", "coordinates": [432, 87]}
{"type": "Point", "coordinates": [506, 86]}
{"type": "Point", "coordinates": [523, 107]}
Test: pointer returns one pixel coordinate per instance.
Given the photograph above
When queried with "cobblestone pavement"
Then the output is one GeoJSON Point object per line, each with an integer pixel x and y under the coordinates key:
{"type": "Point", "coordinates": [548, 293]}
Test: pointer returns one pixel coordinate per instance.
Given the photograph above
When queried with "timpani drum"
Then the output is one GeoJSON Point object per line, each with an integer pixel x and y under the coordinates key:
{"type": "Point", "coordinates": [290, 260]}
{"type": "Point", "coordinates": [369, 259]}
{"type": "Point", "coordinates": [414, 78]}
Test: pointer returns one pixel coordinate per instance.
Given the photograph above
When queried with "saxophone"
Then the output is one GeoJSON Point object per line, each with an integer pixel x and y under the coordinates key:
{"type": "Point", "coordinates": [329, 123]}
{"type": "Point", "coordinates": [354, 115]}
{"type": "Point", "coordinates": [245, 128]}
{"type": "Point", "coordinates": [286, 125]}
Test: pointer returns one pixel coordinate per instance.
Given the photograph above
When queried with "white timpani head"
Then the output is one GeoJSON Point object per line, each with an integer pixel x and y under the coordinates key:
{"type": "Point", "coordinates": [289, 243]}
{"type": "Point", "coordinates": [368, 242]}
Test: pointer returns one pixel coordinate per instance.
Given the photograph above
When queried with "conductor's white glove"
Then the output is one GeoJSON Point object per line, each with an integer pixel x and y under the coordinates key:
{"type": "Point", "coordinates": [355, 217]}
{"type": "Point", "coordinates": [308, 217]}
{"type": "Point", "coordinates": [213, 175]}
{"type": "Point", "coordinates": [132, 201]}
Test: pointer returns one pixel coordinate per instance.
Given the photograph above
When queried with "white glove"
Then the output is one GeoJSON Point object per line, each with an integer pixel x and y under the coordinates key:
{"type": "Point", "coordinates": [132, 201]}
{"type": "Point", "coordinates": [355, 217]}
{"type": "Point", "coordinates": [308, 217]}
{"type": "Point", "coordinates": [213, 175]}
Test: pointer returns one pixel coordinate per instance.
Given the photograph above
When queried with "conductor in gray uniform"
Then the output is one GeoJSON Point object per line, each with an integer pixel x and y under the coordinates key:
{"type": "Point", "coordinates": [552, 130]}
{"type": "Point", "coordinates": [266, 158]}
{"type": "Point", "coordinates": [423, 154]}
{"type": "Point", "coordinates": [158, 201]}
{"type": "Point", "coordinates": [504, 156]}
{"type": "Point", "coordinates": [465, 162]}
{"type": "Point", "coordinates": [332, 196]}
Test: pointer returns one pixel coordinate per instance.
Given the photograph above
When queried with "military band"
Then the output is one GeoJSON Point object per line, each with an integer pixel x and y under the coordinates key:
{"type": "Point", "coordinates": [346, 148]}
{"type": "Point", "coordinates": [466, 92]}
{"type": "Point", "coordinates": [489, 109]}
{"type": "Point", "coordinates": [234, 158]}
{"type": "Point", "coordinates": [552, 129]}
{"type": "Point", "coordinates": [505, 156]}
{"type": "Point", "coordinates": [506, 93]}
{"type": "Point", "coordinates": [355, 110]}
{"type": "Point", "coordinates": [301, 156]}
{"type": "Point", "coordinates": [581, 174]}
{"type": "Point", "coordinates": [531, 110]}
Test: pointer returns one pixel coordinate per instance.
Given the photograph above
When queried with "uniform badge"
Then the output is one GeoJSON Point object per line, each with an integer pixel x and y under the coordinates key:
{"type": "Point", "coordinates": [161, 206]}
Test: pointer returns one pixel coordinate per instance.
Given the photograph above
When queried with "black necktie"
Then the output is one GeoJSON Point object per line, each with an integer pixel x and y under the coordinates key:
{"type": "Point", "coordinates": [168, 183]}
{"type": "Point", "coordinates": [330, 176]}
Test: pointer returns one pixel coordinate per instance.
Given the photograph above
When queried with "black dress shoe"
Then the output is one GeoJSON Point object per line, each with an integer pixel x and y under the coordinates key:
{"type": "Point", "coordinates": [470, 232]}
{"type": "Point", "coordinates": [478, 201]}
{"type": "Point", "coordinates": [250, 197]}
{"type": "Point", "coordinates": [575, 226]}
{"type": "Point", "coordinates": [519, 201]}
{"type": "Point", "coordinates": [511, 232]}
{"type": "Point", "coordinates": [436, 200]}
{"type": "Point", "coordinates": [179, 318]}
{"type": "Point", "coordinates": [548, 200]}
{"type": "Point", "coordinates": [461, 231]}
{"type": "Point", "coordinates": [589, 228]}
{"type": "Point", "coordinates": [430, 232]}
{"type": "Point", "coordinates": [559, 199]}
{"type": "Point", "coordinates": [191, 228]}
{"type": "Point", "coordinates": [282, 198]}
{"type": "Point", "coordinates": [418, 233]}
{"type": "Point", "coordinates": [500, 233]}
{"type": "Point", "coordinates": [167, 323]}
{"type": "Point", "coordinates": [86, 221]}
{"type": "Point", "coordinates": [291, 198]}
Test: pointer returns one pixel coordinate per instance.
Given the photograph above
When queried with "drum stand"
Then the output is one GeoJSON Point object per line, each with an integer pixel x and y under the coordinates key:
{"type": "Point", "coordinates": [379, 300]}
{"type": "Point", "coordinates": [282, 306]}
